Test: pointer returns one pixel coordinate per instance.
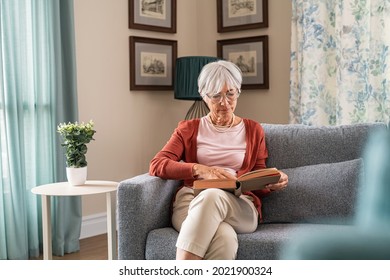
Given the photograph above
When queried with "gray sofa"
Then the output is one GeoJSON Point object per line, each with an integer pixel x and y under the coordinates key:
{"type": "Point", "coordinates": [324, 167]}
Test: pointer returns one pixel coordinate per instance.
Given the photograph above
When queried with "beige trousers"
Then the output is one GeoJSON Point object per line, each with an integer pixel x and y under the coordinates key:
{"type": "Point", "coordinates": [208, 223]}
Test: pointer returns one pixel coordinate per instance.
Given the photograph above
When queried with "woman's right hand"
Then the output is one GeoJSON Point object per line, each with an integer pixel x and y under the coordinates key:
{"type": "Point", "coordinates": [211, 172]}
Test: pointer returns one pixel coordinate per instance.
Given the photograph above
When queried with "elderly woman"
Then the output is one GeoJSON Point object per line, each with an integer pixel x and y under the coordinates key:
{"type": "Point", "coordinates": [219, 145]}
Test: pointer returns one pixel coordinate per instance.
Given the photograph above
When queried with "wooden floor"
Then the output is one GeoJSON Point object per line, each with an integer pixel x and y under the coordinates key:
{"type": "Point", "coordinates": [92, 248]}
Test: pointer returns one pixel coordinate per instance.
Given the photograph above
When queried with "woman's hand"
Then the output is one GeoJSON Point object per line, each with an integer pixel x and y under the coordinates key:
{"type": "Point", "coordinates": [282, 184]}
{"type": "Point", "coordinates": [211, 172]}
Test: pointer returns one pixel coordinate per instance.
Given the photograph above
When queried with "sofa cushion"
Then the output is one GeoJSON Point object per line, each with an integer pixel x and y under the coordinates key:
{"type": "Point", "coordinates": [161, 244]}
{"type": "Point", "coordinates": [316, 193]}
{"type": "Point", "coordinates": [264, 244]}
{"type": "Point", "coordinates": [295, 145]}
{"type": "Point", "coordinates": [267, 242]}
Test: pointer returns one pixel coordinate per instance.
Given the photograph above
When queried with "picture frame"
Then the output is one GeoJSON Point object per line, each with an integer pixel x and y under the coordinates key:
{"type": "Point", "coordinates": [152, 63]}
{"type": "Point", "coordinates": [153, 15]}
{"type": "Point", "coordinates": [234, 15]}
{"type": "Point", "coordinates": [250, 54]}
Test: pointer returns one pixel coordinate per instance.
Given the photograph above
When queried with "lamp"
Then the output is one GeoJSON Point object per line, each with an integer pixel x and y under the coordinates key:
{"type": "Point", "coordinates": [186, 83]}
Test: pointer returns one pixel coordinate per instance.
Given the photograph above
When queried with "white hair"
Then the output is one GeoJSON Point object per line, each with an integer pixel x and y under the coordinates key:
{"type": "Point", "coordinates": [215, 75]}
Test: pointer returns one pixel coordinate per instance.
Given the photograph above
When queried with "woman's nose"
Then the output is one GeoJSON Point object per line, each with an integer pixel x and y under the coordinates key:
{"type": "Point", "coordinates": [224, 100]}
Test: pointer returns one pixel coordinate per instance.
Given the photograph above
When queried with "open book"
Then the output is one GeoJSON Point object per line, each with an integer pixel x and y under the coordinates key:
{"type": "Point", "coordinates": [254, 180]}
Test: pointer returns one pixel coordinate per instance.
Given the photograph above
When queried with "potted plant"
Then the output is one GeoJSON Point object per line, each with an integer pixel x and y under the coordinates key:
{"type": "Point", "coordinates": [76, 136]}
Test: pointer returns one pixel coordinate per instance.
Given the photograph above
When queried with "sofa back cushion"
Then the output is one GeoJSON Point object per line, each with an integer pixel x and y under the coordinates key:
{"type": "Point", "coordinates": [295, 145]}
{"type": "Point", "coordinates": [319, 193]}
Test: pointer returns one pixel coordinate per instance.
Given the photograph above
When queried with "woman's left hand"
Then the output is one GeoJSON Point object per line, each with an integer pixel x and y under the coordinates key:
{"type": "Point", "coordinates": [282, 184]}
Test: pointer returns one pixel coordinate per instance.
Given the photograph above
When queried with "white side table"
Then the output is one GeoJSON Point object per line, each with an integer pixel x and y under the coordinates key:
{"type": "Point", "coordinates": [65, 189]}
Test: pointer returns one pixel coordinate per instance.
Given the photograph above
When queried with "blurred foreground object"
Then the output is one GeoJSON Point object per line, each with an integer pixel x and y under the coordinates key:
{"type": "Point", "coordinates": [369, 238]}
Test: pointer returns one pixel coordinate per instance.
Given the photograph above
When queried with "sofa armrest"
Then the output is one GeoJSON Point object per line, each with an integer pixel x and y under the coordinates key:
{"type": "Point", "coordinates": [143, 205]}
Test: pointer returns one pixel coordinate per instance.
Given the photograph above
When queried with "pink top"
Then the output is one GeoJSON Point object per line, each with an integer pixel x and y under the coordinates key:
{"type": "Point", "coordinates": [223, 149]}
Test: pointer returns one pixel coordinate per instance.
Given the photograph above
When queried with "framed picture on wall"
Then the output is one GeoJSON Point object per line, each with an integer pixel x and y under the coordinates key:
{"type": "Point", "coordinates": [152, 63]}
{"type": "Point", "coordinates": [233, 15]}
{"type": "Point", "coordinates": [251, 56]}
{"type": "Point", "coordinates": [153, 15]}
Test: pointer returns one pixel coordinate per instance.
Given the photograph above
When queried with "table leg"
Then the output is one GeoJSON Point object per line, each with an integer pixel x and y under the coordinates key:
{"type": "Point", "coordinates": [111, 225]}
{"type": "Point", "coordinates": [46, 227]}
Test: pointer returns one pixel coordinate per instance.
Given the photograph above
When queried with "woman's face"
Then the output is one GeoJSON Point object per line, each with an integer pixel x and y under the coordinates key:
{"type": "Point", "coordinates": [223, 108]}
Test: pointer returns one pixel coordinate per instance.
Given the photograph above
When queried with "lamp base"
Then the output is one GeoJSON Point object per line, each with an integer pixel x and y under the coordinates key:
{"type": "Point", "coordinates": [197, 110]}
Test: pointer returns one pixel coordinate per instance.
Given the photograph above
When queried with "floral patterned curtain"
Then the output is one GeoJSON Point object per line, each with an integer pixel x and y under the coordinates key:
{"type": "Point", "coordinates": [340, 63]}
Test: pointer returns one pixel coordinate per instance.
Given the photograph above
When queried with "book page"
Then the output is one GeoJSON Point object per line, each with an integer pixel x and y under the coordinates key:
{"type": "Point", "coordinates": [259, 173]}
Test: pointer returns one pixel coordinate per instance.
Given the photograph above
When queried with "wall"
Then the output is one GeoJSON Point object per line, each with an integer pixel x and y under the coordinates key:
{"type": "Point", "coordinates": [133, 125]}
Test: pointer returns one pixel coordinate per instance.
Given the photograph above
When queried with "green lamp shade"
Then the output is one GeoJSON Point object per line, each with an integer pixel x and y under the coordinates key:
{"type": "Point", "coordinates": [186, 76]}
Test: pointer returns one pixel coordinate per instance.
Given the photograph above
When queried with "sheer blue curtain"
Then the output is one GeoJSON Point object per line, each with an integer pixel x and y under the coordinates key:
{"type": "Point", "coordinates": [340, 62]}
{"type": "Point", "coordinates": [37, 91]}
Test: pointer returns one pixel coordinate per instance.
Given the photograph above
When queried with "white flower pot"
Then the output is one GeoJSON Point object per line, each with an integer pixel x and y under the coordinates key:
{"type": "Point", "coordinates": [76, 176]}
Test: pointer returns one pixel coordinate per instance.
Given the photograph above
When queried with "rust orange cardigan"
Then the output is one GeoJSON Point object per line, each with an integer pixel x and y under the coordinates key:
{"type": "Point", "coordinates": [176, 158]}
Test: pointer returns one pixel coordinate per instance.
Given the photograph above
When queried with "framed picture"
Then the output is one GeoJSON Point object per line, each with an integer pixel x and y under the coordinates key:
{"type": "Point", "coordinates": [233, 15]}
{"type": "Point", "coordinates": [152, 63]}
{"type": "Point", "coordinates": [153, 15]}
{"type": "Point", "coordinates": [251, 56]}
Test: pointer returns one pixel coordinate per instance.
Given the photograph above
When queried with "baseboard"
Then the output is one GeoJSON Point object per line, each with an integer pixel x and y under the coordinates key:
{"type": "Point", "coordinates": [93, 225]}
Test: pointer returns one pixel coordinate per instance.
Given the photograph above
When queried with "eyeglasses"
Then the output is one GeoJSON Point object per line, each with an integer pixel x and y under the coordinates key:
{"type": "Point", "coordinates": [231, 95]}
